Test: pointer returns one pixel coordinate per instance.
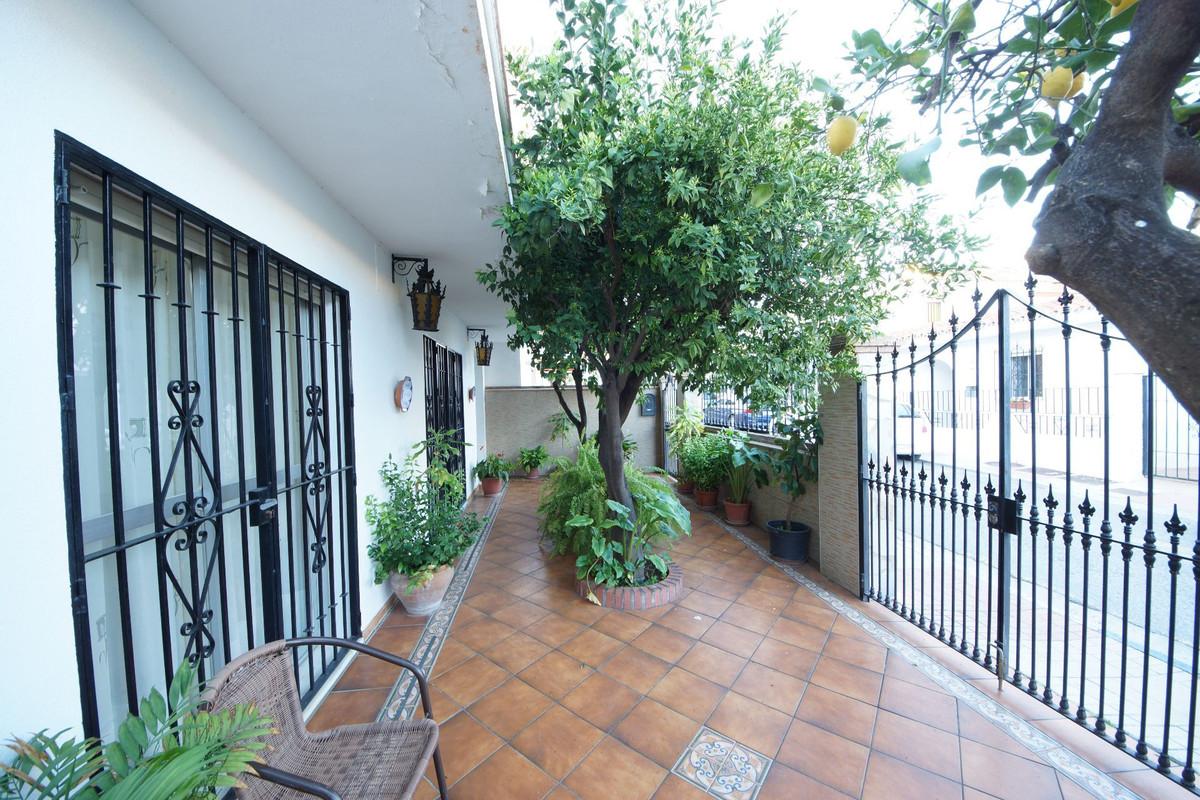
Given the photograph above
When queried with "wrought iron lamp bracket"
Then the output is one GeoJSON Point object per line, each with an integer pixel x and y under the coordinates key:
{"type": "Point", "coordinates": [404, 265]}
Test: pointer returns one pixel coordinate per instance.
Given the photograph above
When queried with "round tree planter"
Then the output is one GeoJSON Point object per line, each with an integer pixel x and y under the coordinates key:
{"type": "Point", "coordinates": [789, 543]}
{"type": "Point", "coordinates": [636, 598]}
{"type": "Point", "coordinates": [737, 513]}
{"type": "Point", "coordinates": [684, 487]}
{"type": "Point", "coordinates": [491, 486]}
{"type": "Point", "coordinates": [425, 600]}
{"type": "Point", "coordinates": [706, 499]}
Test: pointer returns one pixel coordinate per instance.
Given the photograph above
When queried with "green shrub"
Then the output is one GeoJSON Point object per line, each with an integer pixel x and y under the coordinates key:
{"type": "Point", "coordinates": [624, 551]}
{"type": "Point", "coordinates": [744, 464]}
{"type": "Point", "coordinates": [577, 489]}
{"type": "Point", "coordinates": [494, 466]}
{"type": "Point", "coordinates": [686, 426]}
{"type": "Point", "coordinates": [169, 750]}
{"type": "Point", "coordinates": [704, 460]}
{"type": "Point", "coordinates": [419, 527]}
{"type": "Point", "coordinates": [532, 457]}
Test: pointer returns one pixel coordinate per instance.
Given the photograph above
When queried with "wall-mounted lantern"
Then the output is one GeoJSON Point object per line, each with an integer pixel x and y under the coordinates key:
{"type": "Point", "coordinates": [426, 294]}
{"type": "Point", "coordinates": [483, 346]}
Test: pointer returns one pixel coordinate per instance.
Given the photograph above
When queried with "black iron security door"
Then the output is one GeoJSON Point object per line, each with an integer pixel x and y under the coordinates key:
{"type": "Point", "coordinates": [444, 398]}
{"type": "Point", "coordinates": [207, 437]}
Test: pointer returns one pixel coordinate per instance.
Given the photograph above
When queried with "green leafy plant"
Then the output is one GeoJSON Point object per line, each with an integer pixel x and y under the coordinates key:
{"type": "Point", "coordinates": [494, 466]}
{"type": "Point", "coordinates": [576, 488]}
{"type": "Point", "coordinates": [1075, 97]}
{"type": "Point", "coordinates": [629, 448]}
{"type": "Point", "coordinates": [744, 465]}
{"type": "Point", "coordinates": [624, 551]}
{"type": "Point", "coordinates": [170, 750]}
{"type": "Point", "coordinates": [687, 425]}
{"type": "Point", "coordinates": [676, 212]}
{"type": "Point", "coordinates": [531, 458]}
{"type": "Point", "coordinates": [795, 462]}
{"type": "Point", "coordinates": [704, 461]}
{"type": "Point", "coordinates": [419, 527]}
{"type": "Point", "coordinates": [560, 428]}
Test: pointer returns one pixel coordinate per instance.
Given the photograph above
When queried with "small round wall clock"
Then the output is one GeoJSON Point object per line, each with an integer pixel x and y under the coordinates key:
{"type": "Point", "coordinates": [402, 396]}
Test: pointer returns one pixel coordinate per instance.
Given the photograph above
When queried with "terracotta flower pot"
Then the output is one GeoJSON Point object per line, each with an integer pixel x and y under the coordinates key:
{"type": "Point", "coordinates": [737, 513]}
{"type": "Point", "coordinates": [706, 499]}
{"type": "Point", "coordinates": [491, 486]}
{"type": "Point", "coordinates": [424, 600]}
{"type": "Point", "coordinates": [685, 487]}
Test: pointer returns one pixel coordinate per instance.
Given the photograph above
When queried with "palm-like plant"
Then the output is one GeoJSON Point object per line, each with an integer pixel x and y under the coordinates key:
{"type": "Point", "coordinates": [171, 750]}
{"type": "Point", "coordinates": [745, 464]}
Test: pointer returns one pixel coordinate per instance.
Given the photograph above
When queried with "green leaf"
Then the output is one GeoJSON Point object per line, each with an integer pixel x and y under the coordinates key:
{"type": "Point", "coordinates": [913, 166]}
{"type": "Point", "coordinates": [1013, 182]}
{"type": "Point", "coordinates": [761, 194]}
{"type": "Point", "coordinates": [989, 178]}
{"type": "Point", "coordinates": [963, 20]}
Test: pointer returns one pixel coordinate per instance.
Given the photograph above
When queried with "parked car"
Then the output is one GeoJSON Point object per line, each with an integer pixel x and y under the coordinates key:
{"type": "Point", "coordinates": [911, 431]}
{"type": "Point", "coordinates": [753, 421]}
{"type": "Point", "coordinates": [718, 411]}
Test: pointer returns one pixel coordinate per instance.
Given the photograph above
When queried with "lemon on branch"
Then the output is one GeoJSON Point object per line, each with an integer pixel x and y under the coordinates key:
{"type": "Point", "coordinates": [1056, 84]}
{"type": "Point", "coordinates": [841, 133]}
{"type": "Point", "coordinates": [1077, 84]}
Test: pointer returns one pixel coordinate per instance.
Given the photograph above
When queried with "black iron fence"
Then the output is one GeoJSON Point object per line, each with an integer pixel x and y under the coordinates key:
{"type": "Point", "coordinates": [1049, 553]}
{"type": "Point", "coordinates": [727, 408]}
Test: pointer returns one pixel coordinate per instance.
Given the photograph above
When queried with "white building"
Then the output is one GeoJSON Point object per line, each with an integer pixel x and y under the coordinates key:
{"type": "Point", "coordinates": [142, 396]}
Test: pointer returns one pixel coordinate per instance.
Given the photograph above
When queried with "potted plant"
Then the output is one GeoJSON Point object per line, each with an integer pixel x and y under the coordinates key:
{"type": "Point", "coordinates": [744, 465]}
{"type": "Point", "coordinates": [172, 748]}
{"type": "Point", "coordinates": [704, 459]}
{"type": "Point", "coordinates": [492, 472]}
{"type": "Point", "coordinates": [795, 466]}
{"type": "Point", "coordinates": [686, 426]}
{"type": "Point", "coordinates": [531, 460]}
{"type": "Point", "coordinates": [419, 530]}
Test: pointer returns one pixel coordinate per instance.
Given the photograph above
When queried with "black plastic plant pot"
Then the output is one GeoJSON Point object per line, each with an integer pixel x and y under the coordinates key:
{"type": "Point", "coordinates": [789, 541]}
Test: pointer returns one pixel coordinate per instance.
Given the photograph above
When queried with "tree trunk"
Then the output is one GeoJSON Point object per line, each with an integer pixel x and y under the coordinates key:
{"type": "Point", "coordinates": [609, 438]}
{"type": "Point", "coordinates": [1104, 230]}
{"type": "Point", "coordinates": [577, 416]}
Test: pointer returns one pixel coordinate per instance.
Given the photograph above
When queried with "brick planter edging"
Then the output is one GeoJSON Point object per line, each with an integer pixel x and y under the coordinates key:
{"type": "Point", "coordinates": [636, 598]}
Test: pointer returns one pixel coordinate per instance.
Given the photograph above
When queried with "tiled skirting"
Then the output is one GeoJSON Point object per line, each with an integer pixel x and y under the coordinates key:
{"type": "Point", "coordinates": [1052, 752]}
{"type": "Point", "coordinates": [405, 697]}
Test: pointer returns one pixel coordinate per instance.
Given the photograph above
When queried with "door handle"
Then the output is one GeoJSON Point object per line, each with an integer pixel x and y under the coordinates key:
{"type": "Point", "coordinates": [263, 505]}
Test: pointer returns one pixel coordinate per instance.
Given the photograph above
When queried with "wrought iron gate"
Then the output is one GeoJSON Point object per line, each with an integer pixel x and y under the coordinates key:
{"type": "Point", "coordinates": [444, 399]}
{"type": "Point", "coordinates": [1012, 508]}
{"type": "Point", "coordinates": [207, 439]}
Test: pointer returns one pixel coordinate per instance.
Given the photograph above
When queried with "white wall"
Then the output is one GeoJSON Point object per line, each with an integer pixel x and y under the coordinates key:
{"type": "Point", "coordinates": [99, 72]}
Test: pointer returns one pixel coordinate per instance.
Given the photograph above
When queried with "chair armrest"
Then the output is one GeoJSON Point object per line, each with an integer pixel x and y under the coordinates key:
{"type": "Point", "coordinates": [291, 781]}
{"type": "Point", "coordinates": [374, 652]}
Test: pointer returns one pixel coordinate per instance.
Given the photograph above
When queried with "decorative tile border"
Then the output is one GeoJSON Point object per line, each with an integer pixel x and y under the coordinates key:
{"type": "Point", "coordinates": [405, 696]}
{"type": "Point", "coordinates": [722, 767]}
{"type": "Point", "coordinates": [1092, 780]}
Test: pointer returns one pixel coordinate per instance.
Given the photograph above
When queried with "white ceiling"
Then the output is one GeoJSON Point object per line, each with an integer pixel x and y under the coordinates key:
{"type": "Point", "coordinates": [388, 104]}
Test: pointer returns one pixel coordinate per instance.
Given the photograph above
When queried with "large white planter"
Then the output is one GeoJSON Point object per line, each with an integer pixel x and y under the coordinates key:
{"type": "Point", "coordinates": [425, 600]}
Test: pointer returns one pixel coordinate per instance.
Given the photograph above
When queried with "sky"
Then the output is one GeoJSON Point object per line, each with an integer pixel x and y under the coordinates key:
{"type": "Point", "coordinates": [817, 38]}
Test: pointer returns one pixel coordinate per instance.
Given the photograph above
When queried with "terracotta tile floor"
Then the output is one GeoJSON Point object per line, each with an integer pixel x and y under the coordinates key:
{"type": "Point", "coordinates": [541, 694]}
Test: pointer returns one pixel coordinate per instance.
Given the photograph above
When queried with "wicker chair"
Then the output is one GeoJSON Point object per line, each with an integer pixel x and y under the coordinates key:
{"type": "Point", "coordinates": [376, 760]}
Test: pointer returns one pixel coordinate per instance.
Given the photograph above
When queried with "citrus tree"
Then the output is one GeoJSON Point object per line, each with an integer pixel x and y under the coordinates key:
{"type": "Point", "coordinates": [1100, 101]}
{"type": "Point", "coordinates": [677, 210]}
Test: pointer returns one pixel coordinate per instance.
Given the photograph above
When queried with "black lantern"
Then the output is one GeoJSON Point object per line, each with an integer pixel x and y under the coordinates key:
{"type": "Point", "coordinates": [426, 294]}
{"type": "Point", "coordinates": [483, 347]}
